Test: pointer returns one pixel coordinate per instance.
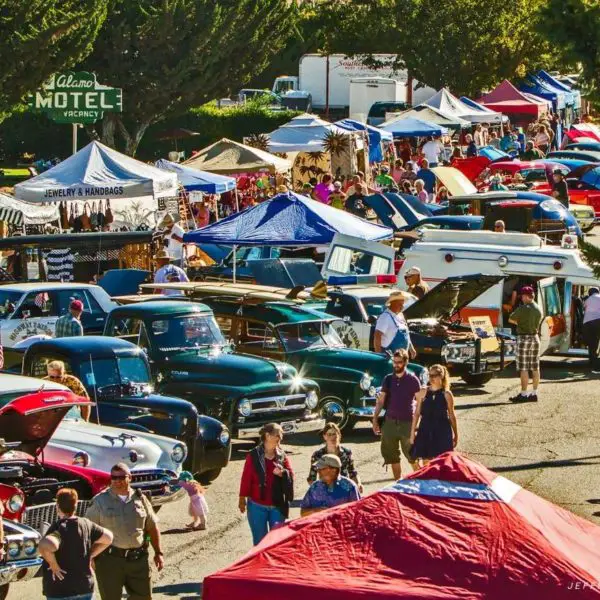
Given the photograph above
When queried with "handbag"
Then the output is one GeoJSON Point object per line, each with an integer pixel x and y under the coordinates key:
{"type": "Point", "coordinates": [100, 218]}
{"type": "Point", "coordinates": [71, 221]}
{"type": "Point", "coordinates": [77, 224]}
{"type": "Point", "coordinates": [86, 222]}
{"type": "Point", "coordinates": [108, 216]}
{"type": "Point", "coordinates": [94, 216]}
{"type": "Point", "coordinates": [63, 210]}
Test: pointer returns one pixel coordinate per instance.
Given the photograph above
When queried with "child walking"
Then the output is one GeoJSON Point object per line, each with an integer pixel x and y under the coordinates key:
{"type": "Point", "coordinates": [198, 507]}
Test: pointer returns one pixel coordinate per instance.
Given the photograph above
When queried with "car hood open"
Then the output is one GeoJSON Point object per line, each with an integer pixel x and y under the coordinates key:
{"type": "Point", "coordinates": [450, 296]}
{"type": "Point", "coordinates": [33, 418]}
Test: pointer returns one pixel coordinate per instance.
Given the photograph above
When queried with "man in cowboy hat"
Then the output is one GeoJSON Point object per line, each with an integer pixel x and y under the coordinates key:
{"type": "Point", "coordinates": [172, 237]}
{"type": "Point", "coordinates": [391, 329]}
{"type": "Point", "coordinates": [414, 282]}
{"type": "Point", "coordinates": [168, 273]}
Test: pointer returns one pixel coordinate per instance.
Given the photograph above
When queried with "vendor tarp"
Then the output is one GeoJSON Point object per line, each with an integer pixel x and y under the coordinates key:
{"type": "Point", "coordinates": [195, 180]}
{"type": "Point", "coordinates": [452, 106]}
{"type": "Point", "coordinates": [305, 133]}
{"type": "Point", "coordinates": [16, 212]}
{"type": "Point", "coordinates": [453, 530]}
{"type": "Point", "coordinates": [412, 127]}
{"type": "Point", "coordinates": [97, 172]}
{"type": "Point", "coordinates": [229, 158]}
{"type": "Point", "coordinates": [432, 115]}
{"type": "Point", "coordinates": [489, 116]}
{"type": "Point", "coordinates": [286, 220]}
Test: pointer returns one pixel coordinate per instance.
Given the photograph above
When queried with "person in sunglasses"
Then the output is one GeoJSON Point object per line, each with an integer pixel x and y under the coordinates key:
{"type": "Point", "coordinates": [130, 516]}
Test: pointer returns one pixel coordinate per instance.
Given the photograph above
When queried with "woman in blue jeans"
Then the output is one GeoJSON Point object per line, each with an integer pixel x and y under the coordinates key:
{"type": "Point", "coordinates": [267, 485]}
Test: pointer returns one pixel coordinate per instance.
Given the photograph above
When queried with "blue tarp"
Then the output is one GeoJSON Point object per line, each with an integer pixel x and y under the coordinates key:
{"type": "Point", "coordinates": [572, 97]}
{"type": "Point", "coordinates": [286, 220]}
{"type": "Point", "coordinates": [411, 127]}
{"type": "Point", "coordinates": [533, 85]}
{"type": "Point", "coordinates": [196, 180]}
{"type": "Point", "coordinates": [376, 136]}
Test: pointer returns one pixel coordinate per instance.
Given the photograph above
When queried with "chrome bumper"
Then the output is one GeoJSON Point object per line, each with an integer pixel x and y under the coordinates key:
{"type": "Point", "coordinates": [366, 410]}
{"type": "Point", "coordinates": [20, 570]}
{"type": "Point", "coordinates": [299, 426]}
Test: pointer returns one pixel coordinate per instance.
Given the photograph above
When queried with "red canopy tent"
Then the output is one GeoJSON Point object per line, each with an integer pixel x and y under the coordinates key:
{"type": "Point", "coordinates": [506, 98]}
{"type": "Point", "coordinates": [453, 530]}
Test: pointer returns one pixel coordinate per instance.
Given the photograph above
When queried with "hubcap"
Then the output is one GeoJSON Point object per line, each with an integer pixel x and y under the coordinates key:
{"type": "Point", "coordinates": [333, 411]}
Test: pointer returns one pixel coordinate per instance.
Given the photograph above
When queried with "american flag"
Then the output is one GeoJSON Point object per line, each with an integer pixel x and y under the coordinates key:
{"type": "Point", "coordinates": [41, 299]}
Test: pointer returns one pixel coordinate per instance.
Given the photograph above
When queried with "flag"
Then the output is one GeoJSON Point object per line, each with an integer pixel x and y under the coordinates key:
{"type": "Point", "coordinates": [41, 299]}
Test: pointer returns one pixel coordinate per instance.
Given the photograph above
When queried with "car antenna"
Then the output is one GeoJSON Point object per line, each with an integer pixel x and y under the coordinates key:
{"type": "Point", "coordinates": [95, 392]}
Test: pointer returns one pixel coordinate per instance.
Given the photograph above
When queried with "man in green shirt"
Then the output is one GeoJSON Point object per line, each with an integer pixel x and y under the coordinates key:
{"type": "Point", "coordinates": [528, 318]}
{"type": "Point", "coordinates": [384, 180]}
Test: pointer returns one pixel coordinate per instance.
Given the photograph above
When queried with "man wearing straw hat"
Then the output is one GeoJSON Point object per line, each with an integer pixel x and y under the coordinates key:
{"type": "Point", "coordinates": [173, 236]}
{"type": "Point", "coordinates": [168, 273]}
{"type": "Point", "coordinates": [391, 329]}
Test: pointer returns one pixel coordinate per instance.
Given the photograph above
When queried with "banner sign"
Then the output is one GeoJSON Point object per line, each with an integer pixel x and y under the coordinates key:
{"type": "Point", "coordinates": [76, 98]}
{"type": "Point", "coordinates": [482, 327]}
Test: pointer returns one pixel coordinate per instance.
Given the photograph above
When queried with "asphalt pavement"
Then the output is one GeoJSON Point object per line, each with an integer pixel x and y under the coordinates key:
{"type": "Point", "coordinates": [551, 448]}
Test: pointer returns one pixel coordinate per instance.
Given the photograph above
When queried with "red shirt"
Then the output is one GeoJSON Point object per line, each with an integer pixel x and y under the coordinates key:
{"type": "Point", "coordinates": [250, 484]}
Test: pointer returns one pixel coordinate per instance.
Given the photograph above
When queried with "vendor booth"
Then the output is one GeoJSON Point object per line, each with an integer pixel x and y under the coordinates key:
{"type": "Point", "coordinates": [434, 116]}
{"type": "Point", "coordinates": [488, 116]}
{"type": "Point", "coordinates": [452, 530]}
{"type": "Point", "coordinates": [23, 215]}
{"type": "Point", "coordinates": [413, 127]}
{"type": "Point", "coordinates": [194, 180]}
{"type": "Point", "coordinates": [507, 99]}
{"type": "Point", "coordinates": [377, 137]}
{"type": "Point", "coordinates": [452, 106]}
{"type": "Point", "coordinates": [536, 86]}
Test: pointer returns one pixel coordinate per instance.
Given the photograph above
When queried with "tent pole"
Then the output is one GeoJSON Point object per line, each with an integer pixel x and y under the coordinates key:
{"type": "Point", "coordinates": [234, 261]}
{"type": "Point", "coordinates": [74, 138]}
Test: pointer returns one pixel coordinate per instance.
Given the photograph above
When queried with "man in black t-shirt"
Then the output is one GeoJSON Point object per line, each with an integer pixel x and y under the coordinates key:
{"type": "Point", "coordinates": [560, 189]}
{"type": "Point", "coordinates": [68, 548]}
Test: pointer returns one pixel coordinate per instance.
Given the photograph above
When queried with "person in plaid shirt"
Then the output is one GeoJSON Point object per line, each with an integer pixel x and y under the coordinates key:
{"type": "Point", "coordinates": [69, 325]}
{"type": "Point", "coordinates": [56, 373]}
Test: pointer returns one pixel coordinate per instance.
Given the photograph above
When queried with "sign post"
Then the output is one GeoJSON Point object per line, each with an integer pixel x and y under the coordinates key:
{"type": "Point", "coordinates": [76, 98]}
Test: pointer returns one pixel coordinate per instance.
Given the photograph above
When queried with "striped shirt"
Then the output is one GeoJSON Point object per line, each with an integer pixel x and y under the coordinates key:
{"type": "Point", "coordinates": [68, 326]}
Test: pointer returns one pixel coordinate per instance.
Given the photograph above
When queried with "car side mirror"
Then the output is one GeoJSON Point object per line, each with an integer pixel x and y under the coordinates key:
{"type": "Point", "coordinates": [371, 320]}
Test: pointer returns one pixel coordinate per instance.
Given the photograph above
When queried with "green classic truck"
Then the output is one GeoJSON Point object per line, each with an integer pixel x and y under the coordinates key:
{"type": "Point", "coordinates": [191, 359]}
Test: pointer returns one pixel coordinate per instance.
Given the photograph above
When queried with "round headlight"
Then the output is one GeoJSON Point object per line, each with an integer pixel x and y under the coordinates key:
{"type": "Point", "coordinates": [159, 377]}
{"type": "Point", "coordinates": [372, 391]}
{"type": "Point", "coordinates": [312, 399]}
{"type": "Point", "coordinates": [81, 459]}
{"type": "Point", "coordinates": [14, 549]}
{"type": "Point", "coordinates": [365, 382]}
{"type": "Point", "coordinates": [245, 407]}
{"type": "Point", "coordinates": [15, 504]}
{"type": "Point", "coordinates": [178, 453]}
{"type": "Point", "coordinates": [224, 437]}
{"type": "Point", "coordinates": [30, 547]}
{"type": "Point", "coordinates": [133, 456]}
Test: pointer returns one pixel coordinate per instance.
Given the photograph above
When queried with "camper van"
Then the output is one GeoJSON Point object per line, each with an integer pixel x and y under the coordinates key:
{"type": "Point", "coordinates": [559, 274]}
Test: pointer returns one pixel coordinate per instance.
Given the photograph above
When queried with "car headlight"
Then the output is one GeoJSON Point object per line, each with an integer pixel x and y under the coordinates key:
{"type": "Point", "coordinates": [312, 399]}
{"type": "Point", "coordinates": [15, 503]}
{"type": "Point", "coordinates": [178, 453]}
{"type": "Point", "coordinates": [245, 407]}
{"type": "Point", "coordinates": [365, 382]}
{"type": "Point", "coordinates": [14, 549]}
{"type": "Point", "coordinates": [224, 437]}
{"type": "Point", "coordinates": [81, 459]}
{"type": "Point", "coordinates": [30, 547]}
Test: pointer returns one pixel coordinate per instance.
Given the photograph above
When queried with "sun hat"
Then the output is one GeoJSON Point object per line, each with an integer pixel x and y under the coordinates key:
{"type": "Point", "coordinates": [412, 271]}
{"type": "Point", "coordinates": [397, 295]}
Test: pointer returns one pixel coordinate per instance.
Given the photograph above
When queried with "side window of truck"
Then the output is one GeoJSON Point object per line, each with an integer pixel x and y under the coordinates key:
{"type": "Point", "coordinates": [39, 366]}
{"type": "Point", "coordinates": [552, 301]}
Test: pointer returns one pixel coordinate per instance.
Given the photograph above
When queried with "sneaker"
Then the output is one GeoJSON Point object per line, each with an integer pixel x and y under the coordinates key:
{"type": "Point", "coordinates": [519, 398]}
{"type": "Point", "coordinates": [533, 397]}
{"type": "Point", "coordinates": [595, 372]}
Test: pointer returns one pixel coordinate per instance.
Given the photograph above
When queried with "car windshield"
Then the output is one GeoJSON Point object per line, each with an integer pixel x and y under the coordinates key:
{"type": "Point", "coordinates": [304, 336]}
{"type": "Point", "coordinates": [193, 331]}
{"type": "Point", "coordinates": [8, 301]}
{"type": "Point", "coordinates": [104, 372]}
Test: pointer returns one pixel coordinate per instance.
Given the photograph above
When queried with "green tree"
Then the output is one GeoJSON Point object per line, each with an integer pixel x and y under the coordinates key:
{"type": "Point", "coordinates": [573, 27]}
{"type": "Point", "coordinates": [40, 37]}
{"type": "Point", "coordinates": [466, 45]}
{"type": "Point", "coordinates": [170, 55]}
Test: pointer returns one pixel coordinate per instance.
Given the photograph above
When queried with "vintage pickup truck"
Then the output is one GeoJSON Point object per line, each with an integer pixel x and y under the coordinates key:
{"type": "Point", "coordinates": [116, 374]}
{"type": "Point", "coordinates": [190, 358]}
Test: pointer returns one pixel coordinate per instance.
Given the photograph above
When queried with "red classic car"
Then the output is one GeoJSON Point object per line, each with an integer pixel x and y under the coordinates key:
{"type": "Point", "coordinates": [26, 425]}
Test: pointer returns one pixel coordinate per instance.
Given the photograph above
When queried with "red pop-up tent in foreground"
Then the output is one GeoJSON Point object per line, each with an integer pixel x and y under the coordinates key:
{"type": "Point", "coordinates": [453, 530]}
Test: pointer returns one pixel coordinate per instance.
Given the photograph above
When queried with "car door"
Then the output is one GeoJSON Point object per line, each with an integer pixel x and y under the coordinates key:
{"type": "Point", "coordinates": [92, 317]}
{"type": "Point", "coordinates": [553, 331]}
{"type": "Point", "coordinates": [36, 314]}
{"type": "Point", "coordinates": [259, 339]}
{"type": "Point", "coordinates": [353, 330]}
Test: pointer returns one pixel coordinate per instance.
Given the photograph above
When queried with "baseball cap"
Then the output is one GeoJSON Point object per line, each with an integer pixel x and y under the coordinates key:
{"type": "Point", "coordinates": [76, 305]}
{"type": "Point", "coordinates": [328, 460]}
{"type": "Point", "coordinates": [526, 290]}
{"type": "Point", "coordinates": [413, 271]}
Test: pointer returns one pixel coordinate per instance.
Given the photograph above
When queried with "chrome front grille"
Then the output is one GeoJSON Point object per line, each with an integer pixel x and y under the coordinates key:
{"type": "Point", "coordinates": [42, 515]}
{"type": "Point", "coordinates": [152, 482]}
{"type": "Point", "coordinates": [278, 403]}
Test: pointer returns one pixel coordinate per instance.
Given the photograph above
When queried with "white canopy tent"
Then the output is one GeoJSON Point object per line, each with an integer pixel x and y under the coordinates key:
{"type": "Point", "coordinates": [97, 172]}
{"type": "Point", "coordinates": [304, 133]}
{"type": "Point", "coordinates": [454, 107]}
{"type": "Point", "coordinates": [17, 212]}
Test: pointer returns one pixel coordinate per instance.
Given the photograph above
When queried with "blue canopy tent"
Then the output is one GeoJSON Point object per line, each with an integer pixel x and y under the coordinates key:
{"type": "Point", "coordinates": [533, 85]}
{"type": "Point", "coordinates": [195, 180]}
{"type": "Point", "coordinates": [376, 136]}
{"type": "Point", "coordinates": [572, 97]}
{"type": "Point", "coordinates": [411, 127]}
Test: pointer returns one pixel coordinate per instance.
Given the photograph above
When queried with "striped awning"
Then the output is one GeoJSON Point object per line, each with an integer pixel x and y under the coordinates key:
{"type": "Point", "coordinates": [16, 212]}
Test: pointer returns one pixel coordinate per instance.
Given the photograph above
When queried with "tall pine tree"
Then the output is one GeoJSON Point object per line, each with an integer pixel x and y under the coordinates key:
{"type": "Point", "coordinates": [170, 55]}
{"type": "Point", "coordinates": [40, 37]}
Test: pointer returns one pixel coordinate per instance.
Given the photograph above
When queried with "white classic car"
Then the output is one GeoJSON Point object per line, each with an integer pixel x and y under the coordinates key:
{"type": "Point", "coordinates": [28, 309]}
{"type": "Point", "coordinates": [155, 460]}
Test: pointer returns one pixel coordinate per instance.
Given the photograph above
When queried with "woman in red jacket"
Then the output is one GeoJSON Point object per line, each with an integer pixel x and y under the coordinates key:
{"type": "Point", "coordinates": [267, 485]}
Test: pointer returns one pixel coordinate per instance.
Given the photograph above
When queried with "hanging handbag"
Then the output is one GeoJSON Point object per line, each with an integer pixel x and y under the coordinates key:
{"type": "Point", "coordinates": [94, 216]}
{"type": "Point", "coordinates": [100, 218]}
{"type": "Point", "coordinates": [77, 225]}
{"type": "Point", "coordinates": [63, 211]}
{"type": "Point", "coordinates": [108, 216]}
{"type": "Point", "coordinates": [71, 218]}
{"type": "Point", "coordinates": [86, 223]}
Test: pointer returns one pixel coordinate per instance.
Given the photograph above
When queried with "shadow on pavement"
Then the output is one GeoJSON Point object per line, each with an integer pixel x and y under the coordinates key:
{"type": "Point", "coordinates": [482, 405]}
{"type": "Point", "coordinates": [551, 464]}
{"type": "Point", "coordinates": [180, 590]}
{"type": "Point", "coordinates": [175, 531]}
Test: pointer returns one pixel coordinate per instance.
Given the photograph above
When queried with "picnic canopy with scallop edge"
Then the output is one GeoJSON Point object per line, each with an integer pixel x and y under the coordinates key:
{"type": "Point", "coordinates": [97, 172]}
{"type": "Point", "coordinates": [453, 530]}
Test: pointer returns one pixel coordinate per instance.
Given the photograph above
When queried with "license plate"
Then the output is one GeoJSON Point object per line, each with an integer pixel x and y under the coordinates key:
{"type": "Point", "coordinates": [288, 426]}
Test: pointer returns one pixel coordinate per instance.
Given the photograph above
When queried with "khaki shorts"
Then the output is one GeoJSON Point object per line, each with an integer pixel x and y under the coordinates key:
{"type": "Point", "coordinates": [395, 435]}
